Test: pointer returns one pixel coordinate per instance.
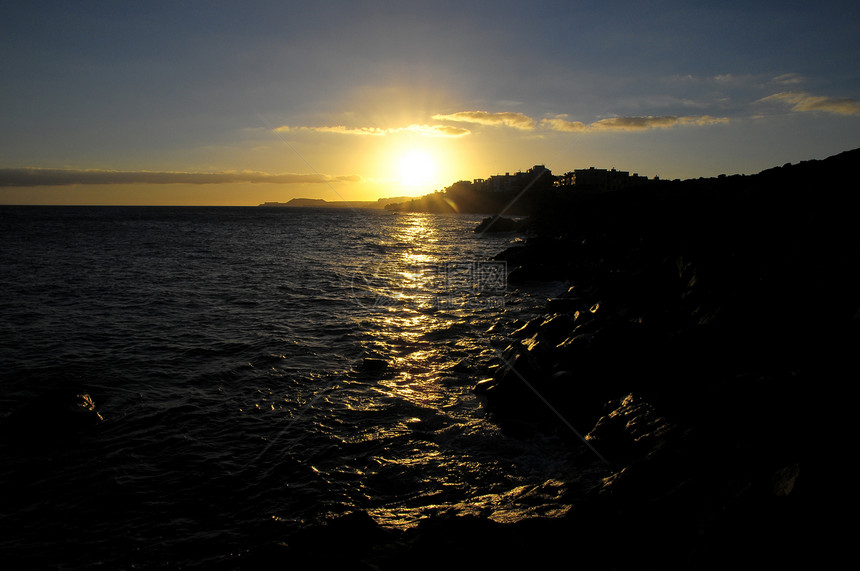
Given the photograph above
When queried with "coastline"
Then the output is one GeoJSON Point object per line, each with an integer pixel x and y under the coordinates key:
{"type": "Point", "coordinates": [706, 327]}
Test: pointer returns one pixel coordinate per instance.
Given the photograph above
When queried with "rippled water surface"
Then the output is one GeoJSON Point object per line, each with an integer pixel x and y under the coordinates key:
{"type": "Point", "coordinates": [236, 356]}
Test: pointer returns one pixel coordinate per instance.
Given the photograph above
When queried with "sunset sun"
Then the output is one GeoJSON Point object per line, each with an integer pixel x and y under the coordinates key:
{"type": "Point", "coordinates": [417, 169]}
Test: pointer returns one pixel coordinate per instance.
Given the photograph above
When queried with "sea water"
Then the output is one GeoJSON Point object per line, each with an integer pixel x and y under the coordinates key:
{"type": "Point", "coordinates": [257, 370]}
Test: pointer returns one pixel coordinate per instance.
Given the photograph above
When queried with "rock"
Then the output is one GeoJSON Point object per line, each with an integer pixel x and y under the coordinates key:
{"type": "Point", "coordinates": [536, 272]}
{"type": "Point", "coordinates": [514, 255]}
{"type": "Point", "coordinates": [496, 327]}
{"type": "Point", "coordinates": [555, 327]}
{"type": "Point", "coordinates": [679, 355]}
{"type": "Point", "coordinates": [461, 367]}
{"type": "Point", "coordinates": [528, 329]}
{"type": "Point", "coordinates": [484, 385]}
{"type": "Point", "coordinates": [563, 304]}
{"type": "Point", "coordinates": [631, 431]}
{"type": "Point", "coordinates": [496, 224]}
{"type": "Point", "coordinates": [783, 480]}
{"type": "Point", "coordinates": [561, 377]}
{"type": "Point", "coordinates": [51, 418]}
{"type": "Point", "coordinates": [373, 364]}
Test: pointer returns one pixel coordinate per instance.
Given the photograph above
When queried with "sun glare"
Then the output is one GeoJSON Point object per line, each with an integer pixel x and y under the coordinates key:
{"type": "Point", "coordinates": [417, 169]}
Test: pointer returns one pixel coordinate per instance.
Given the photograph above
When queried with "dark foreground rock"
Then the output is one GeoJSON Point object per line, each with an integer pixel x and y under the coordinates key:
{"type": "Point", "coordinates": [498, 223]}
{"type": "Point", "coordinates": [708, 328]}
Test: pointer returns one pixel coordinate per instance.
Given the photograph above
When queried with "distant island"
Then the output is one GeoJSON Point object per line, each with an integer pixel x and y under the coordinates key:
{"type": "Point", "coordinates": [320, 203]}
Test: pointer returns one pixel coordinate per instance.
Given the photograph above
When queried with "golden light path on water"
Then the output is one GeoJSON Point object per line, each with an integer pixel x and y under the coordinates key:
{"type": "Point", "coordinates": [407, 326]}
{"type": "Point", "coordinates": [404, 436]}
{"type": "Point", "coordinates": [460, 461]}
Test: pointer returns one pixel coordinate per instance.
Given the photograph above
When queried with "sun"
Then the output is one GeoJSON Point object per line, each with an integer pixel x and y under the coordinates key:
{"type": "Point", "coordinates": [417, 169]}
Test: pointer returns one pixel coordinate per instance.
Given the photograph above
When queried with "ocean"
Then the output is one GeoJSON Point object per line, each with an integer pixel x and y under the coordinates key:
{"type": "Point", "coordinates": [256, 370]}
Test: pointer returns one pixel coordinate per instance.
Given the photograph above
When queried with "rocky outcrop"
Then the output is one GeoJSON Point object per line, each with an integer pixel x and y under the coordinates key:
{"type": "Point", "coordinates": [686, 350]}
{"type": "Point", "coordinates": [498, 223]}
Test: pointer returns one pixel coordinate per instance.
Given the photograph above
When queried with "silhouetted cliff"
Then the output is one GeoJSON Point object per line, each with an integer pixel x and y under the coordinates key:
{"type": "Point", "coordinates": [703, 347]}
{"type": "Point", "coordinates": [513, 194]}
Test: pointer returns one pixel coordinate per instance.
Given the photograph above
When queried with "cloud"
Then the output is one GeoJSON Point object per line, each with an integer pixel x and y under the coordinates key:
{"type": "Point", "coordinates": [725, 78]}
{"type": "Point", "coordinates": [789, 79]}
{"type": "Point", "coordinates": [339, 129]}
{"type": "Point", "coordinates": [66, 177]}
{"type": "Point", "coordinates": [560, 124]}
{"type": "Point", "coordinates": [806, 102]}
{"type": "Point", "coordinates": [506, 119]}
{"type": "Point", "coordinates": [518, 121]}
{"type": "Point", "coordinates": [634, 123]}
{"type": "Point", "coordinates": [631, 123]}
{"type": "Point", "coordinates": [701, 120]}
{"type": "Point", "coordinates": [434, 130]}
{"type": "Point", "coordinates": [423, 130]}
{"type": "Point", "coordinates": [729, 80]}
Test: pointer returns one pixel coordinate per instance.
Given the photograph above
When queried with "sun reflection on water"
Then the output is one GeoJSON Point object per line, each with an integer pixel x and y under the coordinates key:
{"type": "Point", "coordinates": [432, 450]}
{"type": "Point", "coordinates": [403, 334]}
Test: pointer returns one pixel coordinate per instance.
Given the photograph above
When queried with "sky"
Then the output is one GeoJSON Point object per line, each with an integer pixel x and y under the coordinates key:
{"type": "Point", "coordinates": [239, 103]}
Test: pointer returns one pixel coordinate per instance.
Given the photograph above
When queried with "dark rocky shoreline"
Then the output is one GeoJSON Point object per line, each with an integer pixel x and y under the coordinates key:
{"type": "Point", "coordinates": [703, 349]}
